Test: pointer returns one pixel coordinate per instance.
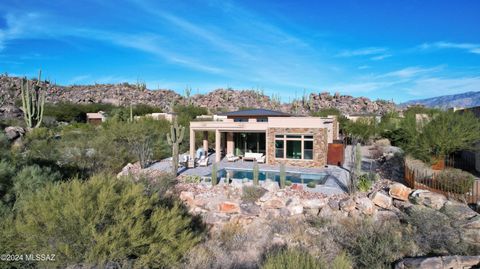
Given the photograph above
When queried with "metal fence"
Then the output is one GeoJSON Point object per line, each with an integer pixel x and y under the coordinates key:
{"type": "Point", "coordinates": [425, 179]}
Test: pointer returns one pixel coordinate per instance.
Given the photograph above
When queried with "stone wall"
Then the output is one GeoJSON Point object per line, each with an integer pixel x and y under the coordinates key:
{"type": "Point", "coordinates": [320, 146]}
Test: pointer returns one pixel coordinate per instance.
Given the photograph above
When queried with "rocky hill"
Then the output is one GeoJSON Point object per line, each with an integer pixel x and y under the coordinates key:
{"type": "Point", "coordinates": [467, 99]}
{"type": "Point", "coordinates": [217, 100]}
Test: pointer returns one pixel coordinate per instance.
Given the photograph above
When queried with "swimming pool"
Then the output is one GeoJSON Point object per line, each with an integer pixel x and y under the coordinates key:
{"type": "Point", "coordinates": [294, 177]}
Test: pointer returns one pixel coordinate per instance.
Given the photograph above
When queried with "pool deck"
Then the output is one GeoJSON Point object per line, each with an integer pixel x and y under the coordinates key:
{"type": "Point", "coordinates": [337, 181]}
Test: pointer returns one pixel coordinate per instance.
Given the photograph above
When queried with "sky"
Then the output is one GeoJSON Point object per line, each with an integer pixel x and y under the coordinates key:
{"type": "Point", "coordinates": [393, 50]}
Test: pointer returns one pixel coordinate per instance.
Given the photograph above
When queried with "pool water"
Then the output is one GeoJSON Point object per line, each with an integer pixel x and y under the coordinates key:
{"type": "Point", "coordinates": [294, 177]}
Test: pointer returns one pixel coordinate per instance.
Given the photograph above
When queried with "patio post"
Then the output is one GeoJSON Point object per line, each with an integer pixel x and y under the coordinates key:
{"type": "Point", "coordinates": [192, 144]}
{"type": "Point", "coordinates": [205, 141]}
{"type": "Point", "coordinates": [218, 153]}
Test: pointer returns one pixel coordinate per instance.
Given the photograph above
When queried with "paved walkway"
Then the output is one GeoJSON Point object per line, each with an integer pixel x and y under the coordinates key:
{"type": "Point", "coordinates": [337, 181]}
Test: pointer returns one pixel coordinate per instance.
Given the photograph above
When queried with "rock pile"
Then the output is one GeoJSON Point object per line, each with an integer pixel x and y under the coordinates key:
{"type": "Point", "coordinates": [223, 203]}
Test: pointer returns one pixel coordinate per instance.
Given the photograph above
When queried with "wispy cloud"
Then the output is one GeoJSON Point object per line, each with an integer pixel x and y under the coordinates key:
{"type": "Point", "coordinates": [432, 86]}
{"type": "Point", "coordinates": [363, 52]}
{"type": "Point", "coordinates": [381, 57]}
{"type": "Point", "coordinates": [412, 71]}
{"type": "Point", "coordinates": [469, 47]}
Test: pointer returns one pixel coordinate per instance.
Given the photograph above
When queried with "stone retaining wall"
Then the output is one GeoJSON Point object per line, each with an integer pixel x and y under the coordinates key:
{"type": "Point", "coordinates": [320, 146]}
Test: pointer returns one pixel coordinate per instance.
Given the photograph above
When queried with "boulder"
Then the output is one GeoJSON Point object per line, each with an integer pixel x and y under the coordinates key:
{"type": "Point", "coordinates": [214, 218]}
{"type": "Point", "coordinates": [347, 204]}
{"type": "Point", "coordinates": [457, 211]}
{"type": "Point", "coordinates": [250, 209]}
{"type": "Point", "coordinates": [365, 206]}
{"type": "Point", "coordinates": [130, 169]}
{"type": "Point", "coordinates": [271, 186]}
{"type": "Point", "coordinates": [429, 199]}
{"type": "Point", "coordinates": [313, 203]}
{"type": "Point", "coordinates": [229, 207]}
{"type": "Point", "coordinates": [445, 262]}
{"type": "Point", "coordinates": [334, 204]}
{"type": "Point", "coordinates": [297, 187]}
{"type": "Point", "coordinates": [295, 209]}
{"type": "Point", "coordinates": [10, 112]}
{"type": "Point", "coordinates": [399, 191]}
{"type": "Point", "coordinates": [14, 132]}
{"type": "Point", "coordinates": [188, 197]}
{"type": "Point", "coordinates": [274, 203]}
{"type": "Point", "coordinates": [381, 199]}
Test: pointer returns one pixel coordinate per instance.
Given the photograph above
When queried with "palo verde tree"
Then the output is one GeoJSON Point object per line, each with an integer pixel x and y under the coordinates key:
{"type": "Point", "coordinates": [33, 101]}
{"type": "Point", "coordinates": [448, 132]}
{"type": "Point", "coordinates": [174, 139]}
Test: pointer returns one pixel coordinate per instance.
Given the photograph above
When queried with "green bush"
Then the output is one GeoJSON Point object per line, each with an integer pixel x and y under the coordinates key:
{"type": "Point", "coordinates": [250, 194]}
{"type": "Point", "coordinates": [311, 184]}
{"type": "Point", "coordinates": [7, 172]}
{"type": "Point", "coordinates": [372, 245]}
{"type": "Point", "coordinates": [103, 219]}
{"type": "Point", "coordinates": [434, 234]}
{"type": "Point", "coordinates": [33, 178]}
{"type": "Point", "coordinates": [364, 183]}
{"type": "Point", "coordinates": [292, 259]}
{"type": "Point", "coordinates": [455, 180]}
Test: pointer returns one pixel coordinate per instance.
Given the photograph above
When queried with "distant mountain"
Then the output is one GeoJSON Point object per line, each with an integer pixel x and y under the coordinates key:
{"type": "Point", "coordinates": [467, 99]}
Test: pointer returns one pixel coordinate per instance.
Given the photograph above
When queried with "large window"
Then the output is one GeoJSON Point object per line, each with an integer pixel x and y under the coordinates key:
{"type": "Point", "coordinates": [294, 146]}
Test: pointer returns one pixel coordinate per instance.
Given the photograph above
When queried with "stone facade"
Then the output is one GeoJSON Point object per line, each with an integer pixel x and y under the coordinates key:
{"type": "Point", "coordinates": [320, 146]}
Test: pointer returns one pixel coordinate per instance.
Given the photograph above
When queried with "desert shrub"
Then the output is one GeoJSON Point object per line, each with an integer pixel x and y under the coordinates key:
{"type": "Point", "coordinates": [311, 184]}
{"type": "Point", "coordinates": [33, 178]}
{"type": "Point", "coordinates": [192, 179]}
{"type": "Point", "coordinates": [7, 172]}
{"type": "Point", "coordinates": [455, 180]}
{"type": "Point", "coordinates": [250, 194]}
{"type": "Point", "coordinates": [232, 236]}
{"type": "Point", "coordinates": [342, 261]}
{"type": "Point", "coordinates": [288, 183]}
{"type": "Point", "coordinates": [372, 244]}
{"type": "Point", "coordinates": [434, 234]}
{"type": "Point", "coordinates": [364, 183]}
{"type": "Point", "coordinates": [104, 219]}
{"type": "Point", "coordinates": [292, 259]}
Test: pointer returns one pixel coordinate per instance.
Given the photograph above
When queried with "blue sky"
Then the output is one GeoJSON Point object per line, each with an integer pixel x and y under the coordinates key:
{"type": "Point", "coordinates": [398, 50]}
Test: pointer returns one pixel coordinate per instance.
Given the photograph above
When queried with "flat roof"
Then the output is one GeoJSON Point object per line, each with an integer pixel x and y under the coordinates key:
{"type": "Point", "coordinates": [256, 112]}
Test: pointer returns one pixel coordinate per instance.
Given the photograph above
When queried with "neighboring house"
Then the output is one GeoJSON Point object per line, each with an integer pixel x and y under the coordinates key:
{"type": "Point", "coordinates": [214, 117]}
{"type": "Point", "coordinates": [282, 138]}
{"type": "Point", "coordinates": [159, 116]}
{"type": "Point", "coordinates": [356, 117]}
{"type": "Point", "coordinates": [469, 159]}
{"type": "Point", "coordinates": [96, 118]}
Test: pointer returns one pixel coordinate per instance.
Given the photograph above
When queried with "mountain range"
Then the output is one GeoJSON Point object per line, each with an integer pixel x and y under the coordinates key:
{"type": "Point", "coordinates": [466, 99]}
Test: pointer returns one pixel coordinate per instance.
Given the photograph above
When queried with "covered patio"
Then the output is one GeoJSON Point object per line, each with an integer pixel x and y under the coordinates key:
{"type": "Point", "coordinates": [231, 138]}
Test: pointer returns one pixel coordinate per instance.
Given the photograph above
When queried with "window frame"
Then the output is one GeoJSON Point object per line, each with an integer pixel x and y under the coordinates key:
{"type": "Point", "coordinates": [294, 137]}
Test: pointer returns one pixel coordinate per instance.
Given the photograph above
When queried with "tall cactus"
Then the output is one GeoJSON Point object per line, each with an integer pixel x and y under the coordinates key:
{"type": "Point", "coordinates": [174, 139]}
{"type": "Point", "coordinates": [33, 102]}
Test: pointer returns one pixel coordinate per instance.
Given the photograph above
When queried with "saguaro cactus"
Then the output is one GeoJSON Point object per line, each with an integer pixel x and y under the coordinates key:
{"type": "Point", "coordinates": [174, 139]}
{"type": "Point", "coordinates": [33, 102]}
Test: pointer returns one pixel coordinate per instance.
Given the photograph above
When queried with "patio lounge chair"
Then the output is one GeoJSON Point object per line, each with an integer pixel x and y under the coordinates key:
{"type": "Point", "coordinates": [261, 159]}
{"type": "Point", "coordinates": [203, 161]}
{"type": "Point", "coordinates": [232, 158]}
{"type": "Point", "coordinates": [184, 160]}
{"type": "Point", "coordinates": [251, 156]}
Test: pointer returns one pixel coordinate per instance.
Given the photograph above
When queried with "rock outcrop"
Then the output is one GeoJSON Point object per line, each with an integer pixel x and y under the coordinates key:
{"type": "Point", "coordinates": [217, 100]}
{"type": "Point", "coordinates": [443, 262]}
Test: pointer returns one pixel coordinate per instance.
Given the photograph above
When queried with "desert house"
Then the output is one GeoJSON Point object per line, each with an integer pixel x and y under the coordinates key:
{"type": "Point", "coordinates": [356, 117]}
{"type": "Point", "coordinates": [158, 116]}
{"type": "Point", "coordinates": [275, 137]}
{"type": "Point", "coordinates": [96, 118]}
